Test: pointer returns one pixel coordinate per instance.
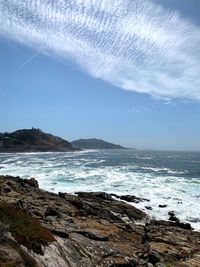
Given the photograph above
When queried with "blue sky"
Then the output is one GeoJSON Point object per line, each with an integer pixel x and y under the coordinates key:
{"type": "Point", "coordinates": [124, 71]}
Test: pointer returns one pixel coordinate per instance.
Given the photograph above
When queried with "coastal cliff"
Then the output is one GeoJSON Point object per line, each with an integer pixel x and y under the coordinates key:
{"type": "Point", "coordinates": [43, 229]}
{"type": "Point", "coordinates": [32, 140]}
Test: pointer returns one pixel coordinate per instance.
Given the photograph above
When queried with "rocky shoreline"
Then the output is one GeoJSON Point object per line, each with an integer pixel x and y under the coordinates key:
{"type": "Point", "coordinates": [39, 228]}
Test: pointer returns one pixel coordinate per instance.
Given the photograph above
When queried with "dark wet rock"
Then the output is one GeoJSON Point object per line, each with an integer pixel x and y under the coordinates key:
{"type": "Point", "coordinates": [186, 226]}
{"type": "Point", "coordinates": [94, 235]}
{"type": "Point", "coordinates": [174, 219]}
{"type": "Point", "coordinates": [162, 205]}
{"type": "Point", "coordinates": [130, 198]}
{"type": "Point", "coordinates": [172, 224]}
{"type": "Point", "coordinates": [22, 204]}
{"type": "Point", "coordinates": [52, 212]}
{"type": "Point", "coordinates": [101, 195]}
{"type": "Point", "coordinates": [32, 182]}
{"type": "Point", "coordinates": [154, 257]}
{"type": "Point", "coordinates": [148, 207]}
{"type": "Point", "coordinates": [62, 195]}
{"type": "Point", "coordinates": [6, 189]}
{"type": "Point", "coordinates": [9, 183]}
{"type": "Point", "coordinates": [60, 233]}
{"type": "Point", "coordinates": [134, 199]}
{"type": "Point", "coordinates": [171, 213]}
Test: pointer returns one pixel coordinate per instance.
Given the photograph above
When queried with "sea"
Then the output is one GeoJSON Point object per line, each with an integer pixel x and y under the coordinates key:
{"type": "Point", "coordinates": [164, 177]}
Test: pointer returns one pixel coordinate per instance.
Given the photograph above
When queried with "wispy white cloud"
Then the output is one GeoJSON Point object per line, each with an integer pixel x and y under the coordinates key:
{"type": "Point", "coordinates": [133, 44]}
{"type": "Point", "coordinates": [140, 108]}
{"type": "Point", "coordinates": [143, 108]}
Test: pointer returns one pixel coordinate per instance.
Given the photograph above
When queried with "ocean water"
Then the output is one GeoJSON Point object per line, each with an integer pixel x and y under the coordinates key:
{"type": "Point", "coordinates": [171, 178]}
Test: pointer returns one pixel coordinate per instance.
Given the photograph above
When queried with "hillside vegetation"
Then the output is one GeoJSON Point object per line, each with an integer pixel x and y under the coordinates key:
{"type": "Point", "coordinates": [32, 140]}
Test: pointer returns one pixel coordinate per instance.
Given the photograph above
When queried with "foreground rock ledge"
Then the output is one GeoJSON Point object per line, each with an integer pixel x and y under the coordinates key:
{"type": "Point", "coordinates": [89, 229]}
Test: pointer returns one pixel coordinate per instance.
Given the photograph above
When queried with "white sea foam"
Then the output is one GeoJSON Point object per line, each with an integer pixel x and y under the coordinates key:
{"type": "Point", "coordinates": [170, 171]}
{"type": "Point", "coordinates": [109, 171]}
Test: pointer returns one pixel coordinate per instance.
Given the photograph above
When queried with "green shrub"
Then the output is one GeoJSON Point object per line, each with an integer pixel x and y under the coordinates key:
{"type": "Point", "coordinates": [25, 229]}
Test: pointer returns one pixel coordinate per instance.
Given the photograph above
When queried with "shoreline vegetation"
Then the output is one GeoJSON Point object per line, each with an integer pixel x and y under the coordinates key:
{"type": "Point", "coordinates": [86, 229]}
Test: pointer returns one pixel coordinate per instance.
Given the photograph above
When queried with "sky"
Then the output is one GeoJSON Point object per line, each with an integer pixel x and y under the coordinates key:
{"type": "Point", "coordinates": [126, 71]}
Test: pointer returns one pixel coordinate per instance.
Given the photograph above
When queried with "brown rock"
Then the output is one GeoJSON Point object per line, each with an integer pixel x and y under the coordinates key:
{"type": "Point", "coordinates": [52, 212]}
{"type": "Point", "coordinates": [96, 230]}
{"type": "Point", "coordinates": [32, 182]}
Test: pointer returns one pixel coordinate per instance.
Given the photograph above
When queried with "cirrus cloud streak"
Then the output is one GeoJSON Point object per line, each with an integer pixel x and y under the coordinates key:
{"type": "Point", "coordinates": [133, 44]}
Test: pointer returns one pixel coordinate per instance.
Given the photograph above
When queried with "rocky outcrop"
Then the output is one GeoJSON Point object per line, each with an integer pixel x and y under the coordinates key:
{"type": "Point", "coordinates": [86, 230]}
{"type": "Point", "coordinates": [94, 143]}
{"type": "Point", "coordinates": [32, 140]}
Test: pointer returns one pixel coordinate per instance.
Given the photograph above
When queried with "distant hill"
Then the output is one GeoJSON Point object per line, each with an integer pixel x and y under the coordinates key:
{"type": "Point", "coordinates": [32, 140]}
{"type": "Point", "coordinates": [94, 144]}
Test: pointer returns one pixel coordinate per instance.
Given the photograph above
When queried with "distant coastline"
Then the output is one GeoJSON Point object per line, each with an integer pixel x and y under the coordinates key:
{"type": "Point", "coordinates": [94, 143]}
{"type": "Point", "coordinates": [35, 140]}
{"type": "Point", "coordinates": [32, 140]}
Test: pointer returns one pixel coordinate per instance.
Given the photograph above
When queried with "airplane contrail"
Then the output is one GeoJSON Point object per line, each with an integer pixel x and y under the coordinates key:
{"type": "Point", "coordinates": [24, 63]}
